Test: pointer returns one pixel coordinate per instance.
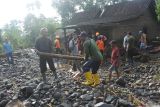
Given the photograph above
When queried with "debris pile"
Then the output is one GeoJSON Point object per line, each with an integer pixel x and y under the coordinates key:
{"type": "Point", "coordinates": [136, 87]}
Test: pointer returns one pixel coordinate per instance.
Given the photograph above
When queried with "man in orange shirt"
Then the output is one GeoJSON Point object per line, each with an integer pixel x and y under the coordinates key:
{"type": "Point", "coordinates": [100, 44]}
{"type": "Point", "coordinates": [57, 45]}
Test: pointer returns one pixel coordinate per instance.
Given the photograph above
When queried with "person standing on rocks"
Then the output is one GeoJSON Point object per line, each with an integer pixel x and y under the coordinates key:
{"type": "Point", "coordinates": [93, 58]}
{"type": "Point", "coordinates": [114, 59]}
{"type": "Point", "coordinates": [143, 42]}
{"type": "Point", "coordinates": [44, 44]}
{"type": "Point", "coordinates": [125, 43]}
{"type": "Point", "coordinates": [100, 44]}
{"type": "Point", "coordinates": [130, 49]}
{"type": "Point", "coordinates": [8, 51]}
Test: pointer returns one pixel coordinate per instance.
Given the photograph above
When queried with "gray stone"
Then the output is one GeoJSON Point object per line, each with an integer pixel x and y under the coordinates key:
{"type": "Point", "coordinates": [57, 95]}
{"type": "Point", "coordinates": [102, 104]}
{"type": "Point", "coordinates": [3, 103]}
{"type": "Point", "coordinates": [76, 104]}
{"type": "Point", "coordinates": [86, 97]}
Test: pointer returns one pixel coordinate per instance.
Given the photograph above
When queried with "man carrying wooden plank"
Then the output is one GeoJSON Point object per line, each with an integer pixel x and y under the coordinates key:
{"type": "Point", "coordinates": [44, 44]}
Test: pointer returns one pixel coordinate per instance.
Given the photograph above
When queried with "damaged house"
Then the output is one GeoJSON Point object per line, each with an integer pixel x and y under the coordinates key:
{"type": "Point", "coordinates": [116, 19]}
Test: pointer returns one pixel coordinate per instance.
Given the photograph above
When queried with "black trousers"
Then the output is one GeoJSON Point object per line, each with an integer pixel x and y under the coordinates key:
{"type": "Point", "coordinates": [44, 61]}
{"type": "Point", "coordinates": [130, 54]}
{"type": "Point", "coordinates": [91, 65]}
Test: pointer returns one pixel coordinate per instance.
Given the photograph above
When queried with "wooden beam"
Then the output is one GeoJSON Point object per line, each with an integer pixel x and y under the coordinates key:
{"type": "Point", "coordinates": [60, 56]}
{"type": "Point", "coordinates": [14, 54]}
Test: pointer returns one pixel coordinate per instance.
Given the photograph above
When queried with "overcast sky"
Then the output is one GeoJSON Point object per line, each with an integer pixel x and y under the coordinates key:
{"type": "Point", "coordinates": [17, 9]}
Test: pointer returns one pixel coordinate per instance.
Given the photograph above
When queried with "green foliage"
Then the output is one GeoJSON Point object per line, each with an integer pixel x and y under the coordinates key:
{"type": "Point", "coordinates": [25, 37]}
{"type": "Point", "coordinates": [65, 8]}
{"type": "Point", "coordinates": [13, 32]}
{"type": "Point", "coordinates": [158, 9]}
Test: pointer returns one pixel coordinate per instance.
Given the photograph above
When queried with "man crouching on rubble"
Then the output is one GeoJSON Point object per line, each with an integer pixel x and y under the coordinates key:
{"type": "Point", "coordinates": [93, 59]}
{"type": "Point", "coordinates": [44, 44]}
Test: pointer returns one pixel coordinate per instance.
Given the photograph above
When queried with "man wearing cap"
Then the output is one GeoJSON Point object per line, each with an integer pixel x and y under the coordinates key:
{"type": "Point", "coordinates": [93, 58]}
{"type": "Point", "coordinates": [114, 59]}
{"type": "Point", "coordinates": [44, 44]}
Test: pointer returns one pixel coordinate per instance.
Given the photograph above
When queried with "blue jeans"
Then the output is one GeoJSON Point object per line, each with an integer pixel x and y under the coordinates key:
{"type": "Point", "coordinates": [10, 58]}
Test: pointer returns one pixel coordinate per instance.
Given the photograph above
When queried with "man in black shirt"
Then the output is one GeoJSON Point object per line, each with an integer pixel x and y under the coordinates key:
{"type": "Point", "coordinates": [44, 44]}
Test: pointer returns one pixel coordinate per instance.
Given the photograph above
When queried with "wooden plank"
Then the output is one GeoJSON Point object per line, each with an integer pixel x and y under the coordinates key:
{"type": "Point", "coordinates": [14, 54]}
{"type": "Point", "coordinates": [60, 56]}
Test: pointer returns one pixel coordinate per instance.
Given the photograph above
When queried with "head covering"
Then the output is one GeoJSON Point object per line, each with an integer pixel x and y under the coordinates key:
{"type": "Point", "coordinates": [44, 31]}
{"type": "Point", "coordinates": [97, 33]}
{"type": "Point", "coordinates": [83, 34]}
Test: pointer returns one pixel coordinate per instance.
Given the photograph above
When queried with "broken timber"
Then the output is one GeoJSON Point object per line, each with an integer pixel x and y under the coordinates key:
{"type": "Point", "coordinates": [14, 54]}
{"type": "Point", "coordinates": [60, 56]}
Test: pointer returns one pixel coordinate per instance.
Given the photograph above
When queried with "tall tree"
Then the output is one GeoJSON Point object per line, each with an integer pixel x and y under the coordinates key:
{"type": "Point", "coordinates": [158, 9]}
{"type": "Point", "coordinates": [65, 8]}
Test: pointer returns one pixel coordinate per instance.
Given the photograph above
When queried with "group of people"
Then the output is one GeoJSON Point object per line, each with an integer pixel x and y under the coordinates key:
{"type": "Point", "coordinates": [129, 45]}
{"type": "Point", "coordinates": [92, 48]}
{"type": "Point", "coordinates": [93, 51]}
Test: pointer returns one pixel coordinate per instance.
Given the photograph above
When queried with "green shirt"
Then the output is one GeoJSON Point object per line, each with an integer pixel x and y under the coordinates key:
{"type": "Point", "coordinates": [91, 50]}
{"type": "Point", "coordinates": [131, 40]}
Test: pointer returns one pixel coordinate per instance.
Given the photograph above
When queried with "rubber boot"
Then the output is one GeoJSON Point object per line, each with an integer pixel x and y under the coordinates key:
{"type": "Point", "coordinates": [96, 79]}
{"type": "Point", "coordinates": [89, 79]}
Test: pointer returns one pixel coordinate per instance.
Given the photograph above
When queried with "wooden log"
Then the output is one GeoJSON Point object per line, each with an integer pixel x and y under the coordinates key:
{"type": "Point", "coordinates": [14, 54]}
{"type": "Point", "coordinates": [60, 56]}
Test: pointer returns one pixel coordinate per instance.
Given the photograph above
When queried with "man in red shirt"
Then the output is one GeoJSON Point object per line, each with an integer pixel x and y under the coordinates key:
{"type": "Point", "coordinates": [114, 59]}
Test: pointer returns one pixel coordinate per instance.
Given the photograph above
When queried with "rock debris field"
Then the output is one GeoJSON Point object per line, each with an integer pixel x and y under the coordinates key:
{"type": "Point", "coordinates": [138, 86]}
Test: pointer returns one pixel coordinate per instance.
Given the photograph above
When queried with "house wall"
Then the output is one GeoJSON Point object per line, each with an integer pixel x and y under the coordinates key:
{"type": "Point", "coordinates": [135, 25]}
